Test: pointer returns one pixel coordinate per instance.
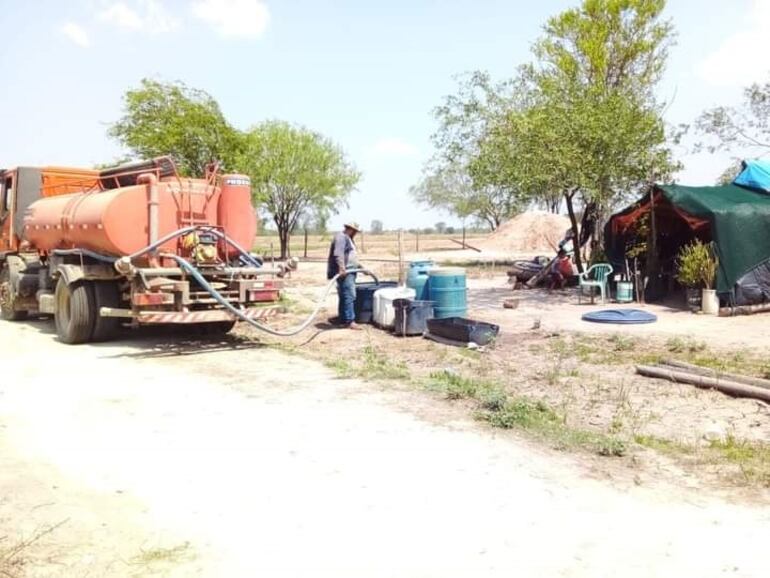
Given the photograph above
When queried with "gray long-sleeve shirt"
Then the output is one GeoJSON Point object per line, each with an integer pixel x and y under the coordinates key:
{"type": "Point", "coordinates": [342, 253]}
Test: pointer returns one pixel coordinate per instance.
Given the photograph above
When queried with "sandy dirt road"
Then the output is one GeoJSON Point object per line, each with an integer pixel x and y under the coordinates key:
{"type": "Point", "coordinates": [191, 459]}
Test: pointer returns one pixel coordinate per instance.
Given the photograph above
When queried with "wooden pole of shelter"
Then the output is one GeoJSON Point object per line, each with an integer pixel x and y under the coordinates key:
{"type": "Point", "coordinates": [652, 245]}
{"type": "Point", "coordinates": [728, 387]}
{"type": "Point", "coordinates": [401, 280]}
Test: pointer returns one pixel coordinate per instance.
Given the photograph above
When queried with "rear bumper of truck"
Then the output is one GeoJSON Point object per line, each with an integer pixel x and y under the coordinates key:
{"type": "Point", "coordinates": [204, 316]}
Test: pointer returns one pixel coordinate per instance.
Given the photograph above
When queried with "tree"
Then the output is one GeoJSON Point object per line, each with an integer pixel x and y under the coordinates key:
{"type": "Point", "coordinates": [745, 128]}
{"type": "Point", "coordinates": [451, 188]}
{"type": "Point", "coordinates": [294, 170]}
{"type": "Point", "coordinates": [172, 119]}
{"type": "Point", "coordinates": [455, 178]}
{"type": "Point", "coordinates": [440, 227]}
{"type": "Point", "coordinates": [376, 227]}
{"type": "Point", "coordinates": [730, 173]}
{"type": "Point", "coordinates": [595, 125]}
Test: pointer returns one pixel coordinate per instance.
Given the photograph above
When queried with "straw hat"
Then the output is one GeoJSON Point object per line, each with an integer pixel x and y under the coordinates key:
{"type": "Point", "coordinates": [353, 225]}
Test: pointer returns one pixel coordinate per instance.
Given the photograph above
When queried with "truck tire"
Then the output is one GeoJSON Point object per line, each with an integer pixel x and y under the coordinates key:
{"type": "Point", "coordinates": [106, 294]}
{"type": "Point", "coordinates": [8, 310]}
{"type": "Point", "coordinates": [75, 311]}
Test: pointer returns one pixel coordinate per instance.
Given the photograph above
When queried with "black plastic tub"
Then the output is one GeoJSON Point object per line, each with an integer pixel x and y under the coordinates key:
{"type": "Point", "coordinates": [365, 299]}
{"type": "Point", "coordinates": [411, 316]}
{"type": "Point", "coordinates": [463, 330]}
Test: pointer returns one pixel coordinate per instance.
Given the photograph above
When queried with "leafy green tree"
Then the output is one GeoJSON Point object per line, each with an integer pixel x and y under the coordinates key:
{"type": "Point", "coordinates": [745, 127]}
{"type": "Point", "coordinates": [587, 129]}
{"type": "Point", "coordinates": [456, 178]}
{"type": "Point", "coordinates": [451, 188]}
{"type": "Point", "coordinates": [173, 119]}
{"type": "Point", "coordinates": [597, 70]}
{"type": "Point", "coordinates": [440, 227]}
{"type": "Point", "coordinates": [294, 170]}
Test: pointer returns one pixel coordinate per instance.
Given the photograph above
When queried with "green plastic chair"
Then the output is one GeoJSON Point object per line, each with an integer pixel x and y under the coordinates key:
{"type": "Point", "coordinates": [597, 276]}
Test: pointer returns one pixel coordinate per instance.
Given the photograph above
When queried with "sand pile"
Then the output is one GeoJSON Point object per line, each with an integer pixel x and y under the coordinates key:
{"type": "Point", "coordinates": [530, 232]}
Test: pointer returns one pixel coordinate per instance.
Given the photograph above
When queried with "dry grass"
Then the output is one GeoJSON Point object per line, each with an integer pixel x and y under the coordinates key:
{"type": "Point", "coordinates": [15, 555]}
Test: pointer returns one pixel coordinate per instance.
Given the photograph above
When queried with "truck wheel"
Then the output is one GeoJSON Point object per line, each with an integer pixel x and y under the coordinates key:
{"type": "Point", "coordinates": [106, 294]}
{"type": "Point", "coordinates": [8, 295]}
{"type": "Point", "coordinates": [75, 311]}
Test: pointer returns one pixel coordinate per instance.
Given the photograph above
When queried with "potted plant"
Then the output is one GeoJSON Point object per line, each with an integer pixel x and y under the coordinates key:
{"type": "Point", "coordinates": [689, 265]}
{"type": "Point", "coordinates": [708, 272]}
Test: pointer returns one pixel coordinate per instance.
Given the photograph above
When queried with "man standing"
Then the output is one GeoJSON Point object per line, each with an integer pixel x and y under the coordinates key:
{"type": "Point", "coordinates": [342, 258]}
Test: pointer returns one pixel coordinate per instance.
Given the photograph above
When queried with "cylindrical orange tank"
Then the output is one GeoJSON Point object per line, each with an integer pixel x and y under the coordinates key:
{"type": "Point", "coordinates": [236, 214]}
{"type": "Point", "coordinates": [116, 222]}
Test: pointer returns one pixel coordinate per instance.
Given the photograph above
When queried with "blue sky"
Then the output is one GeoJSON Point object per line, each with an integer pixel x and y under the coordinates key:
{"type": "Point", "coordinates": [367, 74]}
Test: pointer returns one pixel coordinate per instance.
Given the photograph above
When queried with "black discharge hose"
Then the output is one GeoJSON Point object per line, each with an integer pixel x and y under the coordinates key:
{"type": "Point", "coordinates": [195, 274]}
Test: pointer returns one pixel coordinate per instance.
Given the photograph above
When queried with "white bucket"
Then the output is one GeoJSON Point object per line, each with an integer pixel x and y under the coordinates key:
{"type": "Point", "coordinates": [710, 302]}
{"type": "Point", "coordinates": [383, 313]}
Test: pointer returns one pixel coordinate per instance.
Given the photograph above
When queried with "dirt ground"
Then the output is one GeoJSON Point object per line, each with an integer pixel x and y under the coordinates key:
{"type": "Point", "coordinates": [583, 370]}
{"type": "Point", "coordinates": [164, 457]}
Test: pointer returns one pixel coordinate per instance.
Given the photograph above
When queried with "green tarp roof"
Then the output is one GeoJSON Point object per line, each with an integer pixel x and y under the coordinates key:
{"type": "Point", "coordinates": [740, 225]}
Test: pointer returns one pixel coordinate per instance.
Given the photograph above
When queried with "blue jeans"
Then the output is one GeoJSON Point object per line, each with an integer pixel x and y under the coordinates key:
{"type": "Point", "coordinates": [346, 290]}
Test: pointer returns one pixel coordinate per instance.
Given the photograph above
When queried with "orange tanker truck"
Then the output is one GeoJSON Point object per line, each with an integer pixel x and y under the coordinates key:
{"type": "Point", "coordinates": [136, 244]}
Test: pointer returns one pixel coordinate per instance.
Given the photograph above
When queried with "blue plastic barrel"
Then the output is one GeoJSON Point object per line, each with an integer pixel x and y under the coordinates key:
{"type": "Point", "coordinates": [624, 292]}
{"type": "Point", "coordinates": [417, 279]}
{"type": "Point", "coordinates": [447, 290]}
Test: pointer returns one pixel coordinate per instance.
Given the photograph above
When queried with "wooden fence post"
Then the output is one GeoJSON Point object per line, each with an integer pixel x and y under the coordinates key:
{"type": "Point", "coordinates": [401, 257]}
{"type": "Point", "coordinates": [417, 241]}
{"type": "Point", "coordinates": [305, 252]}
{"type": "Point", "coordinates": [464, 247]}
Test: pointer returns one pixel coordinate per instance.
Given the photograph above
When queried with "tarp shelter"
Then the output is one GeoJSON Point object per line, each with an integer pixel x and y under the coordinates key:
{"type": "Point", "coordinates": [735, 218]}
{"type": "Point", "coordinates": [755, 175]}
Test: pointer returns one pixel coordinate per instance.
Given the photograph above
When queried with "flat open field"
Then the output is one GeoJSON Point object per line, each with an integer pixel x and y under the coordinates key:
{"type": "Point", "coordinates": [384, 245]}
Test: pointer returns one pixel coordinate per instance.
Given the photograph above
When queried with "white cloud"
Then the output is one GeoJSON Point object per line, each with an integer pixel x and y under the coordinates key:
{"type": "Point", "coordinates": [156, 17]}
{"type": "Point", "coordinates": [743, 57]}
{"type": "Point", "coordinates": [394, 147]}
{"type": "Point", "coordinates": [121, 15]}
{"type": "Point", "coordinates": [234, 18]}
{"type": "Point", "coordinates": [76, 33]}
{"type": "Point", "coordinates": [148, 15]}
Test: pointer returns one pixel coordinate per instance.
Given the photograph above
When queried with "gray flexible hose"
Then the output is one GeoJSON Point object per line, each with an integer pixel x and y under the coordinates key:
{"type": "Point", "coordinates": [184, 264]}
{"type": "Point", "coordinates": [187, 266]}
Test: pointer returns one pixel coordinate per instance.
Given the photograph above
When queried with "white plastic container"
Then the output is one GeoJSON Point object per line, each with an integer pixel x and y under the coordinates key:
{"type": "Point", "coordinates": [710, 302]}
{"type": "Point", "coordinates": [383, 313]}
